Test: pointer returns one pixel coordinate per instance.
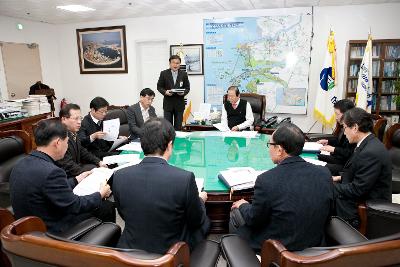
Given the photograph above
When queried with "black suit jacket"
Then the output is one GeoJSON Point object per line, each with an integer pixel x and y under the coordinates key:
{"type": "Point", "coordinates": [135, 119]}
{"type": "Point", "coordinates": [166, 82]}
{"type": "Point", "coordinates": [75, 156]}
{"type": "Point", "coordinates": [292, 202]}
{"type": "Point", "coordinates": [366, 176]}
{"type": "Point", "coordinates": [39, 188]}
{"type": "Point", "coordinates": [98, 147]}
{"type": "Point", "coordinates": [160, 205]}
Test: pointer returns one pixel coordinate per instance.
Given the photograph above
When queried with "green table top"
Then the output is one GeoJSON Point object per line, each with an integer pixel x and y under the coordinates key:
{"type": "Point", "coordinates": [207, 153]}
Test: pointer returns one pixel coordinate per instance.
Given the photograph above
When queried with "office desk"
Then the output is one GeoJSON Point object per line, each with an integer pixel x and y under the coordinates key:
{"type": "Point", "coordinates": [206, 153]}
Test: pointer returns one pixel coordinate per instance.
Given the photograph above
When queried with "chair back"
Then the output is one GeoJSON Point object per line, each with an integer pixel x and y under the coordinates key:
{"type": "Point", "coordinates": [379, 126]}
{"type": "Point", "coordinates": [257, 103]}
{"type": "Point", "coordinates": [392, 143]}
{"type": "Point", "coordinates": [26, 244]}
{"type": "Point", "coordinates": [6, 217]}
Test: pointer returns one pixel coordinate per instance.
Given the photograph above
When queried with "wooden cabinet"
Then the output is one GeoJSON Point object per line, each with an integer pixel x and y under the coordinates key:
{"type": "Point", "coordinates": [24, 124]}
{"type": "Point", "coordinates": [385, 71]}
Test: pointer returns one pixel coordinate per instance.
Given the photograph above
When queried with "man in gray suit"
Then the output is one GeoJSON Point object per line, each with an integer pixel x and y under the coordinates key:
{"type": "Point", "coordinates": [140, 112]}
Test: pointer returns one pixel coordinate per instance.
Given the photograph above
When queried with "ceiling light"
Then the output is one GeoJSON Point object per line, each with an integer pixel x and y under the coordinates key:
{"type": "Point", "coordinates": [76, 8]}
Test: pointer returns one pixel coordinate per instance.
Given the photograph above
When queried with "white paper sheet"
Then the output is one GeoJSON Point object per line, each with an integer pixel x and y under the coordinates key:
{"type": "Point", "coordinates": [239, 178]}
{"type": "Point", "coordinates": [127, 165]}
{"type": "Point", "coordinates": [311, 146]}
{"type": "Point", "coordinates": [111, 128]}
{"type": "Point", "coordinates": [180, 134]}
{"type": "Point", "coordinates": [117, 143]}
{"type": "Point", "coordinates": [132, 146]}
{"type": "Point", "coordinates": [178, 90]}
{"type": "Point", "coordinates": [315, 161]}
{"type": "Point", "coordinates": [121, 159]}
{"type": "Point", "coordinates": [244, 134]}
{"type": "Point", "coordinates": [199, 183]}
{"type": "Point", "coordinates": [221, 127]}
{"type": "Point", "coordinates": [92, 183]}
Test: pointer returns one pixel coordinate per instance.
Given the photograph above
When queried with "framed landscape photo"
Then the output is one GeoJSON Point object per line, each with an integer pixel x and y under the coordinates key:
{"type": "Point", "coordinates": [191, 56]}
{"type": "Point", "coordinates": [102, 50]}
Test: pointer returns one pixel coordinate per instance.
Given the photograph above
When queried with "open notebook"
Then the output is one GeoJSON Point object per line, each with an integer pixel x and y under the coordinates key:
{"type": "Point", "coordinates": [238, 178]}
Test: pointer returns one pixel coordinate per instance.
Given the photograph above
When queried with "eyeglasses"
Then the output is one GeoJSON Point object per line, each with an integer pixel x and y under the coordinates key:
{"type": "Point", "coordinates": [76, 118]}
{"type": "Point", "coordinates": [271, 144]}
{"type": "Point", "coordinates": [100, 111]}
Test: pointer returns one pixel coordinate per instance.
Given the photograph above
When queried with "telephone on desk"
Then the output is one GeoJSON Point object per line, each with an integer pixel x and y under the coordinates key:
{"type": "Point", "coordinates": [274, 122]}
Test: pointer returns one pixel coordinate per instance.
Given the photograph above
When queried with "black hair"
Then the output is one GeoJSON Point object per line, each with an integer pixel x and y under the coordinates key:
{"type": "Point", "coordinates": [98, 103]}
{"type": "Point", "coordinates": [232, 87]}
{"type": "Point", "coordinates": [290, 137]}
{"type": "Point", "coordinates": [157, 133]}
{"type": "Point", "coordinates": [344, 105]}
{"type": "Point", "coordinates": [360, 117]}
{"type": "Point", "coordinates": [65, 111]}
{"type": "Point", "coordinates": [147, 91]}
{"type": "Point", "coordinates": [47, 130]}
{"type": "Point", "coordinates": [175, 57]}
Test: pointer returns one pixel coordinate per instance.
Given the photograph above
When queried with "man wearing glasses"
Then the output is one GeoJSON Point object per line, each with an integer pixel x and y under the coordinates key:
{"type": "Point", "coordinates": [77, 159]}
{"type": "Point", "coordinates": [91, 132]}
{"type": "Point", "coordinates": [292, 202]}
{"type": "Point", "coordinates": [140, 112]}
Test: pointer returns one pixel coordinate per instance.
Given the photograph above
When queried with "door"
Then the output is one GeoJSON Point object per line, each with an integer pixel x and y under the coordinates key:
{"type": "Point", "coordinates": [152, 59]}
{"type": "Point", "coordinates": [21, 67]}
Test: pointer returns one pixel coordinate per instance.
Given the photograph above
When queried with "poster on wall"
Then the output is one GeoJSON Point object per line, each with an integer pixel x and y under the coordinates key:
{"type": "Point", "coordinates": [264, 55]}
{"type": "Point", "coordinates": [102, 50]}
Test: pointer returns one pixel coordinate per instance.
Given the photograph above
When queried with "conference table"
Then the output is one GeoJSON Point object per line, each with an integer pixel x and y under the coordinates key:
{"type": "Point", "coordinates": [207, 153]}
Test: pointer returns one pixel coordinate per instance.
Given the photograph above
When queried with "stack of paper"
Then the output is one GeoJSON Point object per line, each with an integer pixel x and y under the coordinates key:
{"type": "Point", "coordinates": [315, 161]}
{"type": "Point", "coordinates": [180, 134]}
{"type": "Point", "coordinates": [312, 147]}
{"type": "Point", "coordinates": [92, 183]}
{"type": "Point", "coordinates": [178, 90]}
{"type": "Point", "coordinates": [243, 134]}
{"type": "Point", "coordinates": [133, 146]}
{"type": "Point", "coordinates": [238, 178]}
{"type": "Point", "coordinates": [121, 159]}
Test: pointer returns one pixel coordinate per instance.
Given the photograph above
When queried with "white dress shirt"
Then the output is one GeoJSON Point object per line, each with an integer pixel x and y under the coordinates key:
{"type": "Point", "coordinates": [249, 117]}
{"type": "Point", "coordinates": [95, 121]}
{"type": "Point", "coordinates": [145, 112]}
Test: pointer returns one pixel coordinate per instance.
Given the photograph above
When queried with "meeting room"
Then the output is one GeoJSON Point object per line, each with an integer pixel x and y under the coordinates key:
{"type": "Point", "coordinates": [202, 133]}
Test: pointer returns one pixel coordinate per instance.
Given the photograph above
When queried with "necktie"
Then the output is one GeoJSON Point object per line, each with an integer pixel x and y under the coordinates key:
{"type": "Point", "coordinates": [73, 136]}
{"type": "Point", "coordinates": [234, 106]}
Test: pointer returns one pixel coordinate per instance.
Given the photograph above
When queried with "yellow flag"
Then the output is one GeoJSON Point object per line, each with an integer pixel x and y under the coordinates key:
{"type": "Point", "coordinates": [187, 112]}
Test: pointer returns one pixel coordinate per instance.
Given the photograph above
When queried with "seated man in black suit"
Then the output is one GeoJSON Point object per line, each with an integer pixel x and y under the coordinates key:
{"type": "Point", "coordinates": [368, 173]}
{"type": "Point", "coordinates": [340, 149]}
{"type": "Point", "coordinates": [77, 159]}
{"type": "Point", "coordinates": [236, 113]}
{"type": "Point", "coordinates": [159, 203]}
{"type": "Point", "coordinates": [91, 134]}
{"type": "Point", "coordinates": [39, 188]}
{"type": "Point", "coordinates": [140, 112]}
{"type": "Point", "coordinates": [292, 202]}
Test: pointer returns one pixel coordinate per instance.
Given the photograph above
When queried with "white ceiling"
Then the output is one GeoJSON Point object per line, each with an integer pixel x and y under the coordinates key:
{"type": "Point", "coordinates": [45, 10]}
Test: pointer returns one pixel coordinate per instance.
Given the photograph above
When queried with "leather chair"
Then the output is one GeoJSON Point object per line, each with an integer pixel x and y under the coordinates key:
{"type": "Point", "coordinates": [14, 145]}
{"type": "Point", "coordinates": [257, 103]}
{"type": "Point", "coordinates": [379, 126]}
{"type": "Point", "coordinates": [351, 249]}
{"type": "Point", "coordinates": [6, 217]}
{"type": "Point", "coordinates": [392, 143]}
{"type": "Point", "coordinates": [115, 112]}
{"type": "Point", "coordinates": [26, 243]}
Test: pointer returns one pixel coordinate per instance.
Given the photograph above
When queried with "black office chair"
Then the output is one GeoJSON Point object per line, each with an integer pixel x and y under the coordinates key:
{"type": "Point", "coordinates": [257, 103]}
{"type": "Point", "coordinates": [392, 143]}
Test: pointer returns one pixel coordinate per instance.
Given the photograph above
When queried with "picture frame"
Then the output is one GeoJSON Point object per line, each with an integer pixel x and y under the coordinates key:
{"type": "Point", "coordinates": [191, 56]}
{"type": "Point", "coordinates": [102, 50]}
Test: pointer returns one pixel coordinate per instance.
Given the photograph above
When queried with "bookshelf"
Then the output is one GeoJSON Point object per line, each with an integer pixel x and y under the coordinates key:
{"type": "Point", "coordinates": [385, 70]}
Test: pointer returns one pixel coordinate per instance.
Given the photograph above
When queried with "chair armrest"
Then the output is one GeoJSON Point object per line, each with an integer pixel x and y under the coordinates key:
{"type": "Point", "coordinates": [342, 233]}
{"type": "Point", "coordinates": [80, 229]}
{"type": "Point", "coordinates": [383, 218]}
{"type": "Point", "coordinates": [237, 252]}
{"type": "Point", "coordinates": [205, 254]}
{"type": "Point", "coordinates": [313, 137]}
{"type": "Point", "coordinates": [106, 234]}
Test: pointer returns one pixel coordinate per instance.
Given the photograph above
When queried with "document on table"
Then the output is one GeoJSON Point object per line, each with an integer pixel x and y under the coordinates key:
{"type": "Point", "coordinates": [180, 134]}
{"type": "Point", "coordinates": [137, 161]}
{"type": "Point", "coordinates": [238, 178]}
{"type": "Point", "coordinates": [132, 146]}
{"type": "Point", "coordinates": [311, 147]}
{"type": "Point", "coordinates": [117, 143]}
{"type": "Point", "coordinates": [111, 128]}
{"type": "Point", "coordinates": [199, 183]}
{"type": "Point", "coordinates": [121, 159]}
{"type": "Point", "coordinates": [91, 183]}
{"type": "Point", "coordinates": [315, 161]}
{"type": "Point", "coordinates": [244, 134]}
{"type": "Point", "coordinates": [178, 90]}
{"type": "Point", "coordinates": [221, 127]}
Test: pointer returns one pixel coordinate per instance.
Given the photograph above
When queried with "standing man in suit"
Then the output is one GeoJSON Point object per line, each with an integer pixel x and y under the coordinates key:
{"type": "Point", "coordinates": [171, 209]}
{"type": "Point", "coordinates": [236, 113]}
{"type": "Point", "coordinates": [77, 159]}
{"type": "Point", "coordinates": [140, 112]}
{"type": "Point", "coordinates": [292, 202]}
{"type": "Point", "coordinates": [91, 132]}
{"type": "Point", "coordinates": [368, 173]}
{"type": "Point", "coordinates": [39, 188]}
{"type": "Point", "coordinates": [174, 103]}
{"type": "Point", "coordinates": [340, 149]}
